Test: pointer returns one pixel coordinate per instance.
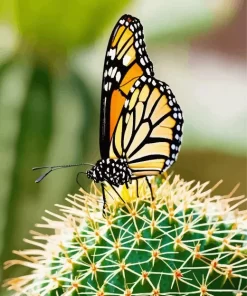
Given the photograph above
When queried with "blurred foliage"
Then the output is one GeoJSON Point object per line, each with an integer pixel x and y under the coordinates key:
{"type": "Point", "coordinates": [46, 119]}
{"type": "Point", "coordinates": [211, 165]}
{"type": "Point", "coordinates": [46, 108]}
{"type": "Point", "coordinates": [179, 21]}
{"type": "Point", "coordinates": [67, 33]}
{"type": "Point", "coordinates": [60, 24]}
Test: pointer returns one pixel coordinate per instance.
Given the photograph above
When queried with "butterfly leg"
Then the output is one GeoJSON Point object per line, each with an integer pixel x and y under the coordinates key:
{"type": "Point", "coordinates": [150, 187]}
{"type": "Point", "coordinates": [104, 199]}
{"type": "Point", "coordinates": [118, 193]}
{"type": "Point", "coordinates": [137, 188]}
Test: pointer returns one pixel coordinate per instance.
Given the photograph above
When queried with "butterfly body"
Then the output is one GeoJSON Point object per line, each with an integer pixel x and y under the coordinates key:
{"type": "Point", "coordinates": [114, 171]}
{"type": "Point", "coordinates": [140, 122]}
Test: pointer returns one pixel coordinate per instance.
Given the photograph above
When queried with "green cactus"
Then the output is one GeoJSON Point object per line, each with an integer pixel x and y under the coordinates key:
{"type": "Point", "coordinates": [185, 241]}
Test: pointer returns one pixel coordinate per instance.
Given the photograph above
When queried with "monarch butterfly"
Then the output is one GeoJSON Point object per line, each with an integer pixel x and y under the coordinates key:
{"type": "Point", "coordinates": [141, 121]}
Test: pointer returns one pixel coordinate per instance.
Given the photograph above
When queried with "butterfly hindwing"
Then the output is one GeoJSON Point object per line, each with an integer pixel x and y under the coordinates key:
{"type": "Point", "coordinates": [149, 130]}
{"type": "Point", "coordinates": [126, 61]}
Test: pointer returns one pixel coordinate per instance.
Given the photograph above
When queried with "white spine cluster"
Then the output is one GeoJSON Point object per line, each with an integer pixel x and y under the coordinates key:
{"type": "Point", "coordinates": [174, 245]}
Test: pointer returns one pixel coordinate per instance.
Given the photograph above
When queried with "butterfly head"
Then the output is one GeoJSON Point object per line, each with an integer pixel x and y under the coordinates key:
{"type": "Point", "coordinates": [94, 174]}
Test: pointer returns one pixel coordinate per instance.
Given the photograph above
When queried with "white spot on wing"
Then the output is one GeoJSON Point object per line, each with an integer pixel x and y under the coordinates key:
{"type": "Point", "coordinates": [137, 83]}
{"type": "Point", "coordinates": [118, 76]}
{"type": "Point", "coordinates": [109, 71]}
{"type": "Point", "coordinates": [112, 53]}
{"type": "Point", "coordinates": [126, 60]}
{"type": "Point", "coordinates": [142, 61]}
{"type": "Point", "coordinates": [114, 72]}
{"type": "Point", "coordinates": [126, 103]}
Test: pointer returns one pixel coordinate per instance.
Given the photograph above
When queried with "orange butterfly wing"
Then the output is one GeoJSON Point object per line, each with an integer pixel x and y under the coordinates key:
{"type": "Point", "coordinates": [126, 60]}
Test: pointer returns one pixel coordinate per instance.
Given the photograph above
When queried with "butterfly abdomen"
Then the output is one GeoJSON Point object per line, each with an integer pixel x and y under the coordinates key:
{"type": "Point", "coordinates": [114, 171]}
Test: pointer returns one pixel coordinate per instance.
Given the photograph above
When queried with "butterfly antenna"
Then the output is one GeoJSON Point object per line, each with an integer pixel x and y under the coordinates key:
{"type": "Point", "coordinates": [56, 167]}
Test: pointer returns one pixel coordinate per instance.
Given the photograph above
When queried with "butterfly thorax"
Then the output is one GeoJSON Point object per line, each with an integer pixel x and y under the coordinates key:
{"type": "Point", "coordinates": [114, 171]}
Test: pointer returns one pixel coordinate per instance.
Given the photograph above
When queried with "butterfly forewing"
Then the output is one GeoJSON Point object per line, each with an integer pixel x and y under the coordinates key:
{"type": "Point", "coordinates": [125, 62]}
{"type": "Point", "coordinates": [149, 131]}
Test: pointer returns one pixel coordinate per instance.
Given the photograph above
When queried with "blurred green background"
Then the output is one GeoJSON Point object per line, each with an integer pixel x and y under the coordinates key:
{"type": "Point", "coordinates": [51, 62]}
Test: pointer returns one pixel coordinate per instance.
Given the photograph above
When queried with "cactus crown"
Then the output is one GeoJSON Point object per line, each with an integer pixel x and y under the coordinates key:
{"type": "Point", "coordinates": [185, 241]}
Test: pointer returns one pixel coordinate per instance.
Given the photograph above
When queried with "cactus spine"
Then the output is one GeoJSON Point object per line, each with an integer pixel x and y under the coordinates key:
{"type": "Point", "coordinates": [186, 241]}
